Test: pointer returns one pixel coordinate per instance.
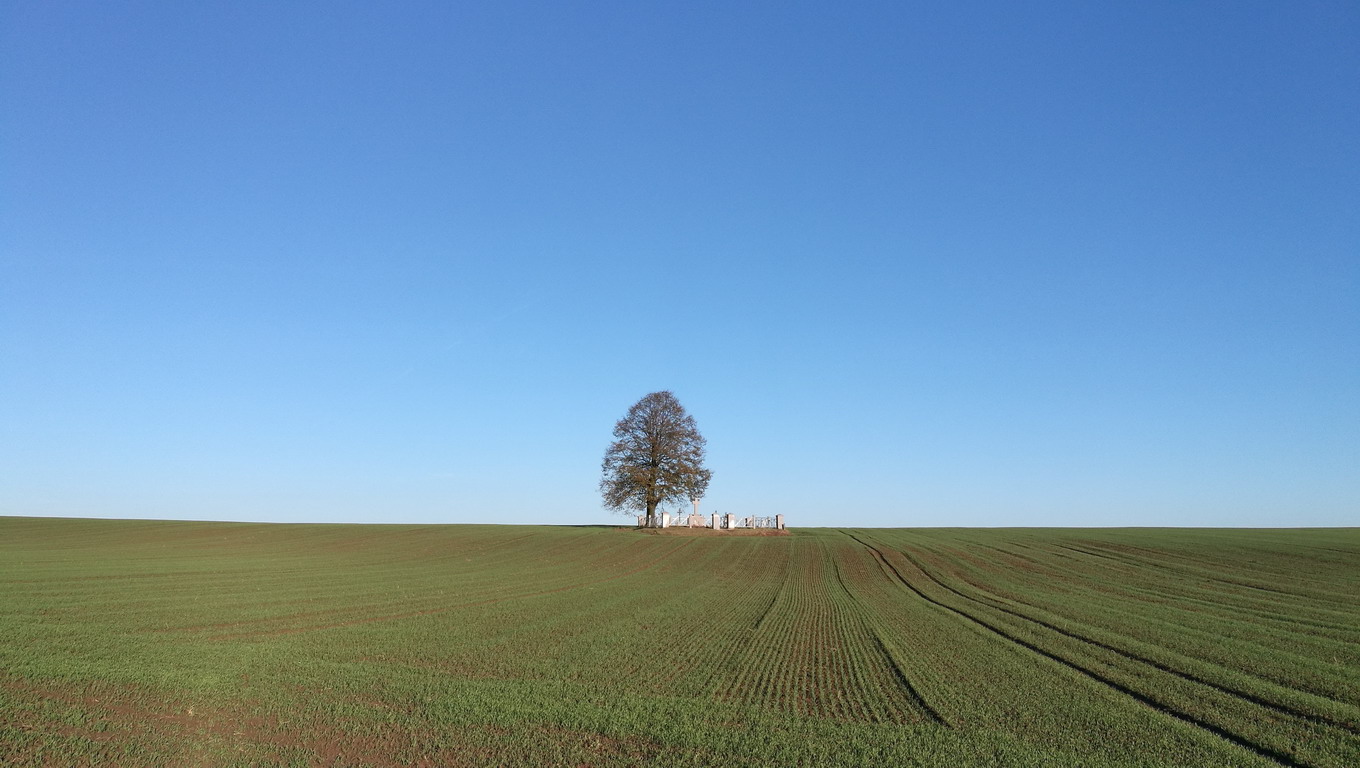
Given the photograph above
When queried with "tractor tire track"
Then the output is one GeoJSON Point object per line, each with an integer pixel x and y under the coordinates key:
{"type": "Point", "coordinates": [1258, 749]}
{"type": "Point", "coordinates": [899, 672]}
{"type": "Point", "coordinates": [992, 600]}
{"type": "Point", "coordinates": [1318, 598]}
{"type": "Point", "coordinates": [905, 682]}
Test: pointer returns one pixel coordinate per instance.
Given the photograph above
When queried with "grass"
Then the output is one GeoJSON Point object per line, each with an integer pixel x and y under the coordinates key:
{"type": "Point", "coordinates": [174, 643]}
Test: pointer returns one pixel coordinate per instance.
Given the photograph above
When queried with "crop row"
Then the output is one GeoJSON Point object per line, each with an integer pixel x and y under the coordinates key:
{"type": "Point", "coordinates": [603, 646]}
{"type": "Point", "coordinates": [1287, 726]}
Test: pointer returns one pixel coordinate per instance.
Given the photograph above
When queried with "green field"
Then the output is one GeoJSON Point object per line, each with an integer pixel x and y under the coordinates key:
{"type": "Point", "coordinates": [172, 643]}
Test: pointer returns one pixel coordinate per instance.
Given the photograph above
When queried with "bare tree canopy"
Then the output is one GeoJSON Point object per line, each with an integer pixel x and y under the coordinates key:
{"type": "Point", "coordinates": [657, 456]}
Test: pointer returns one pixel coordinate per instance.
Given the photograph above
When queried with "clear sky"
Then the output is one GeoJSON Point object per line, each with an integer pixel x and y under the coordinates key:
{"type": "Point", "coordinates": [951, 263]}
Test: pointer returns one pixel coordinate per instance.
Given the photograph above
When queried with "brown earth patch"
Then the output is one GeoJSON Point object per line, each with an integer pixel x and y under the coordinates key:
{"type": "Point", "coordinates": [127, 728]}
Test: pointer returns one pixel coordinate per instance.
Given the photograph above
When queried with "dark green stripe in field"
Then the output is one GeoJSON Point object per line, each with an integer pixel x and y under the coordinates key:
{"type": "Point", "coordinates": [164, 643]}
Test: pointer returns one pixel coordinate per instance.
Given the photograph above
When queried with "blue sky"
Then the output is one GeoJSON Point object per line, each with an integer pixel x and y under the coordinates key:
{"type": "Point", "coordinates": [906, 264]}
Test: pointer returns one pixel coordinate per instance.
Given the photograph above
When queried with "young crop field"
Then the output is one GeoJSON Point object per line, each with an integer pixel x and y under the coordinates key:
{"type": "Point", "coordinates": [135, 643]}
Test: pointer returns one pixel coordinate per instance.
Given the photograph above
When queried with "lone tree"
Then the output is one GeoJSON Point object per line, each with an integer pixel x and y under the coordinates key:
{"type": "Point", "coordinates": [657, 456]}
